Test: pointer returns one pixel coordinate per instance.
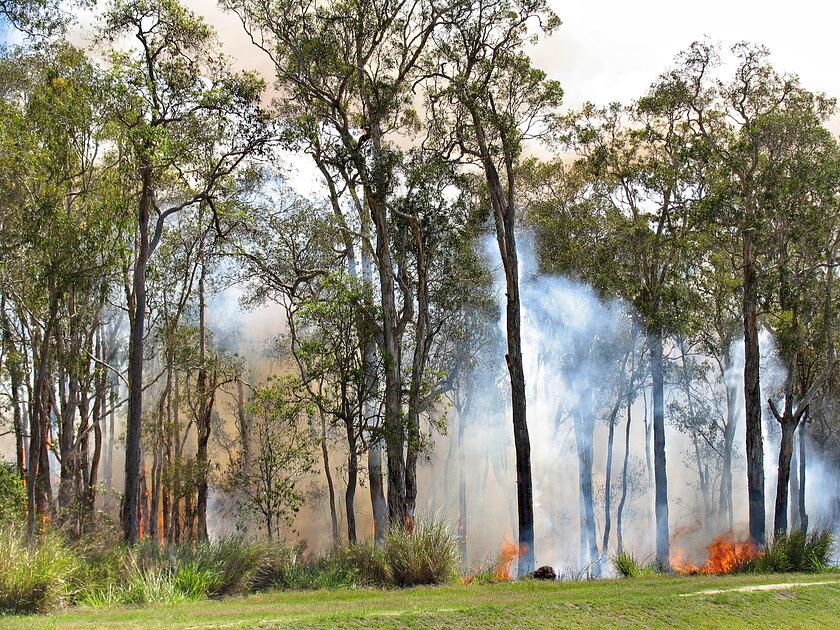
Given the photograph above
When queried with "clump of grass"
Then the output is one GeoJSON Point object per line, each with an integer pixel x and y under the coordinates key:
{"type": "Point", "coordinates": [37, 577]}
{"type": "Point", "coordinates": [426, 555]}
{"type": "Point", "coordinates": [795, 552]}
{"type": "Point", "coordinates": [627, 565]}
{"type": "Point", "coordinates": [369, 563]}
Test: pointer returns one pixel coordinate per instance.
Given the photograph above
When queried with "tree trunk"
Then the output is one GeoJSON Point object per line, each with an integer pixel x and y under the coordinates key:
{"type": "Point", "coordinates": [608, 478]}
{"type": "Point", "coordinates": [38, 481]}
{"type": "Point", "coordinates": [462, 482]}
{"type": "Point", "coordinates": [725, 505]}
{"type": "Point", "coordinates": [803, 514]}
{"type": "Point", "coordinates": [619, 531]}
{"type": "Point", "coordinates": [377, 492]}
{"type": "Point", "coordinates": [793, 517]}
{"type": "Point", "coordinates": [752, 395]}
{"type": "Point", "coordinates": [352, 475]}
{"type": "Point", "coordinates": [137, 323]}
{"type": "Point", "coordinates": [583, 444]}
{"type": "Point", "coordinates": [785, 452]}
{"type": "Point", "coordinates": [330, 486]}
{"type": "Point", "coordinates": [206, 394]}
{"type": "Point", "coordinates": [660, 471]}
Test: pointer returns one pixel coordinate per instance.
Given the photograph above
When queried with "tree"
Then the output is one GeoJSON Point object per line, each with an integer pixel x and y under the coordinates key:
{"type": "Point", "coordinates": [488, 102]}
{"type": "Point", "coordinates": [269, 483]}
{"type": "Point", "coordinates": [737, 121]}
{"type": "Point", "coordinates": [185, 123]}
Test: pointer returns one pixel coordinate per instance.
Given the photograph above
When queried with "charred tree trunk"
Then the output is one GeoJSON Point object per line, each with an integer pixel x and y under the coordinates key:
{"type": "Point", "coordinates": [130, 516]}
{"type": "Point", "coordinates": [659, 466]}
{"type": "Point", "coordinates": [785, 453]}
{"type": "Point", "coordinates": [752, 394]}
{"type": "Point", "coordinates": [206, 393]}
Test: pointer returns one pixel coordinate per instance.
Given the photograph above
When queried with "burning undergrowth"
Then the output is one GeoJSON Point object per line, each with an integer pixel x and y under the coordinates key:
{"type": "Point", "coordinates": [724, 554]}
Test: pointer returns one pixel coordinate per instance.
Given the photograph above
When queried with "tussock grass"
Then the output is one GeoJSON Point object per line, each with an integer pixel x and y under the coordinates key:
{"type": "Point", "coordinates": [627, 565]}
{"type": "Point", "coordinates": [795, 552]}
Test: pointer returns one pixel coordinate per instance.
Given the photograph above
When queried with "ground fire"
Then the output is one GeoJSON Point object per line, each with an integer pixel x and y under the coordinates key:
{"type": "Point", "coordinates": [723, 555]}
{"type": "Point", "coordinates": [507, 554]}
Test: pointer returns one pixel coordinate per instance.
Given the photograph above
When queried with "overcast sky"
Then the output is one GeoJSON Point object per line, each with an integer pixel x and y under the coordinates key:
{"type": "Point", "coordinates": [612, 50]}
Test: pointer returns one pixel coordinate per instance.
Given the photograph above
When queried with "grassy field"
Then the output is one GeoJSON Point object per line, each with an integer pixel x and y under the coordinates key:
{"type": "Point", "coordinates": [630, 603]}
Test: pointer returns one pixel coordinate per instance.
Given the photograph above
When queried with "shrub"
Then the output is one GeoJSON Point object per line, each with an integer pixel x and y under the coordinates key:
{"type": "Point", "coordinates": [795, 552]}
{"type": "Point", "coordinates": [369, 563]}
{"type": "Point", "coordinates": [627, 565]}
{"type": "Point", "coordinates": [12, 495]}
{"type": "Point", "coordinates": [426, 555]}
{"type": "Point", "coordinates": [34, 578]}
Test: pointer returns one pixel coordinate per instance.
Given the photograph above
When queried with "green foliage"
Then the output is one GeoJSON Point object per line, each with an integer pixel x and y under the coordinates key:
{"type": "Point", "coordinates": [12, 494]}
{"type": "Point", "coordinates": [34, 578]}
{"type": "Point", "coordinates": [426, 555]}
{"type": "Point", "coordinates": [795, 552]}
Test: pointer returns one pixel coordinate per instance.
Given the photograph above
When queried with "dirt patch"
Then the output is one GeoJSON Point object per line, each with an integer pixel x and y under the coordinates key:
{"type": "Point", "coordinates": [759, 587]}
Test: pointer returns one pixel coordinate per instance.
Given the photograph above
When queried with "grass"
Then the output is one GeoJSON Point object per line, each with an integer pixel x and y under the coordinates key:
{"type": "Point", "coordinates": [641, 603]}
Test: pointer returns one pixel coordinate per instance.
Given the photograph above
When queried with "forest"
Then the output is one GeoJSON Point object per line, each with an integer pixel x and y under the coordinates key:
{"type": "Point", "coordinates": [396, 282]}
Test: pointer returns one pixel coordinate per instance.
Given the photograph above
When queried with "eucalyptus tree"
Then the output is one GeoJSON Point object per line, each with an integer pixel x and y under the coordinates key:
{"type": "Point", "coordinates": [739, 120]}
{"type": "Point", "coordinates": [61, 240]}
{"type": "Point", "coordinates": [355, 64]}
{"type": "Point", "coordinates": [632, 196]}
{"type": "Point", "coordinates": [184, 123]}
{"type": "Point", "coordinates": [487, 101]}
{"type": "Point", "coordinates": [803, 225]}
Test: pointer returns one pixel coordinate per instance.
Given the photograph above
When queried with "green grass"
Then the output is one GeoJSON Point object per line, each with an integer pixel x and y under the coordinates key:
{"type": "Point", "coordinates": [630, 603]}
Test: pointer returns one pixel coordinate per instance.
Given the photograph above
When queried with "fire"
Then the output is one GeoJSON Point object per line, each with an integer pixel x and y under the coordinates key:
{"type": "Point", "coordinates": [507, 554]}
{"type": "Point", "coordinates": [723, 555]}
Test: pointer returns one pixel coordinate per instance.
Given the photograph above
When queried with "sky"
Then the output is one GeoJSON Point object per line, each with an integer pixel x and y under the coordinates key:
{"type": "Point", "coordinates": [608, 50]}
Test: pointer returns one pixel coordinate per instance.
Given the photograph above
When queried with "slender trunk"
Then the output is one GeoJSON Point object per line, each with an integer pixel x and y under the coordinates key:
{"type": "Point", "coordinates": [725, 505]}
{"type": "Point", "coordinates": [752, 395]}
{"type": "Point", "coordinates": [112, 421]}
{"type": "Point", "coordinates": [608, 478]}
{"type": "Point", "coordinates": [38, 474]}
{"type": "Point", "coordinates": [660, 471]}
{"type": "Point", "coordinates": [619, 530]}
{"type": "Point", "coordinates": [330, 486]}
{"type": "Point", "coordinates": [15, 379]}
{"type": "Point", "coordinates": [206, 394]}
{"type": "Point", "coordinates": [794, 517]}
{"type": "Point", "coordinates": [137, 322]}
{"type": "Point", "coordinates": [583, 444]}
{"type": "Point", "coordinates": [462, 481]}
{"type": "Point", "coordinates": [352, 480]}
{"type": "Point", "coordinates": [803, 432]}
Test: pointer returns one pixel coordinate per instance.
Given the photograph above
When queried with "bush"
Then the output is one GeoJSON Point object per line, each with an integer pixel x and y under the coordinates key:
{"type": "Point", "coordinates": [12, 495]}
{"type": "Point", "coordinates": [627, 565]}
{"type": "Point", "coordinates": [794, 553]}
{"type": "Point", "coordinates": [426, 555]}
{"type": "Point", "coordinates": [369, 563]}
{"type": "Point", "coordinates": [34, 578]}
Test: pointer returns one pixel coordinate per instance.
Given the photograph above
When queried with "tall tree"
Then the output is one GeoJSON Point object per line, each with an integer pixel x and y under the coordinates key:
{"type": "Point", "coordinates": [185, 124]}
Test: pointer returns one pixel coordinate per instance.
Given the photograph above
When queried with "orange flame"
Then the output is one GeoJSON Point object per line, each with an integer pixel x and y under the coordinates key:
{"type": "Point", "coordinates": [723, 555]}
{"type": "Point", "coordinates": [507, 554]}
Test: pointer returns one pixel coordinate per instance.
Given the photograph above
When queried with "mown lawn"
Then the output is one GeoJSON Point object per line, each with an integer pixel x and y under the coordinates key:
{"type": "Point", "coordinates": [630, 603]}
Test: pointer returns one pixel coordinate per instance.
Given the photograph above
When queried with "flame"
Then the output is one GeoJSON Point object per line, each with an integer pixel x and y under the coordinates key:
{"type": "Point", "coordinates": [507, 554]}
{"type": "Point", "coordinates": [723, 555]}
